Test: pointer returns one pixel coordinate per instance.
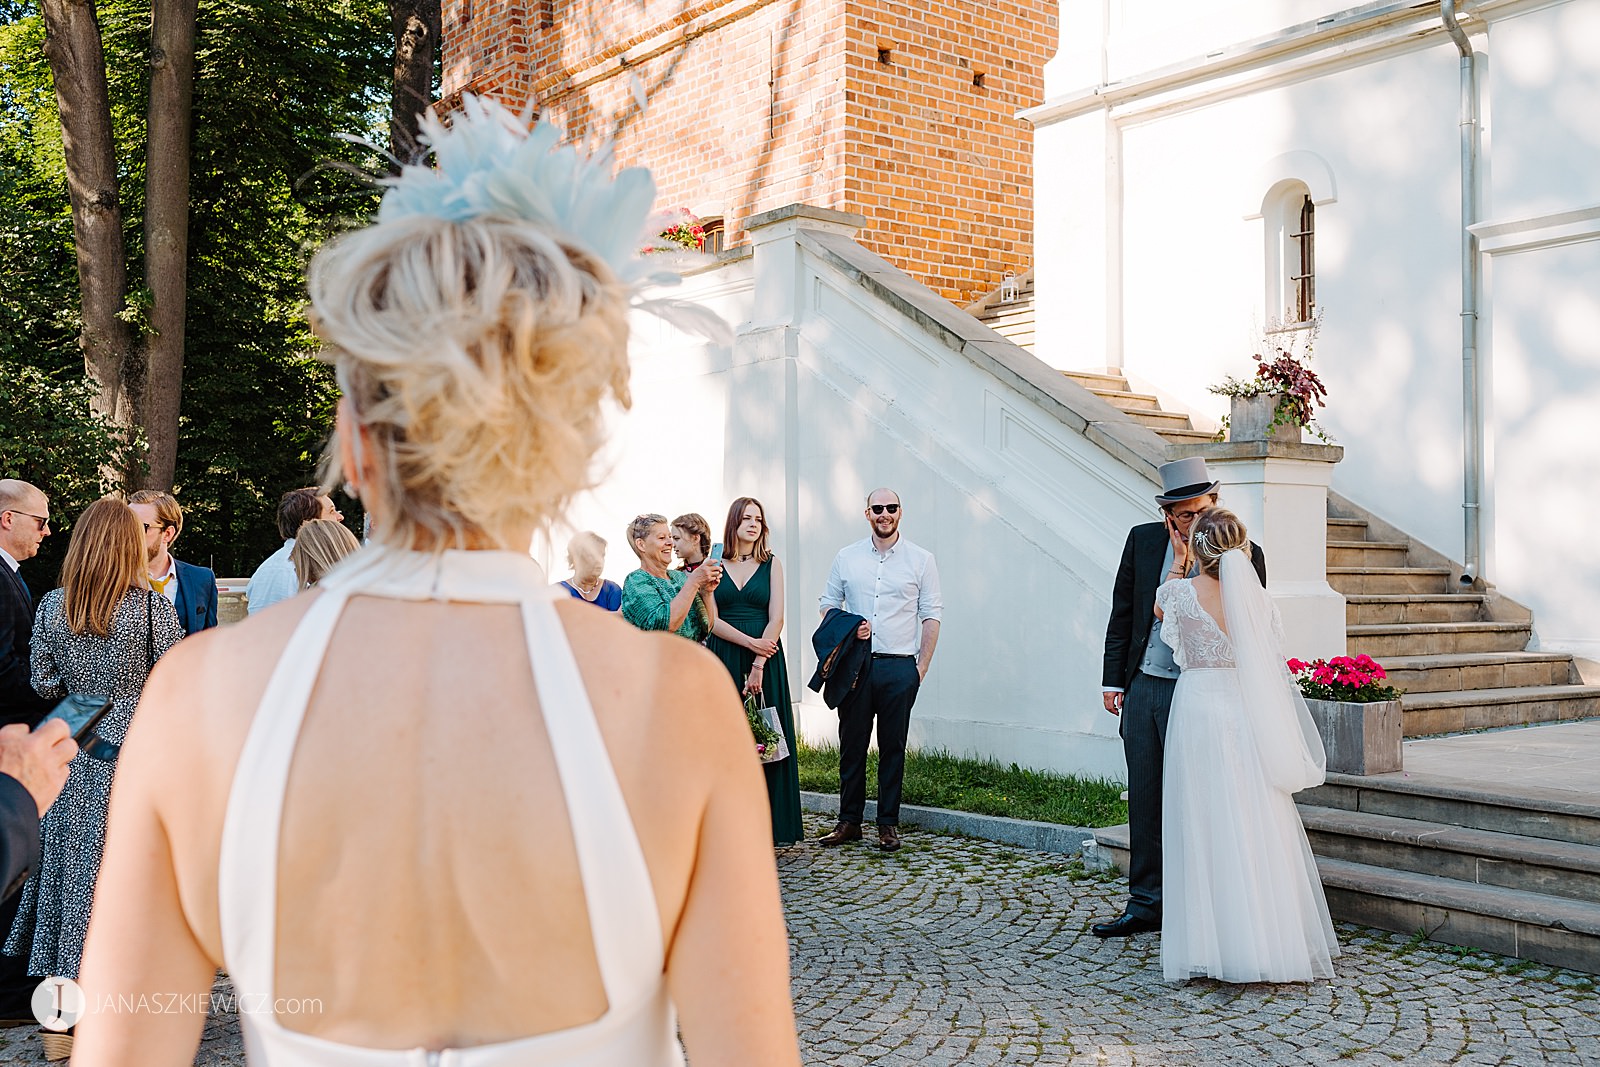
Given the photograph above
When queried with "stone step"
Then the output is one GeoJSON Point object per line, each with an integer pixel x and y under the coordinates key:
{"type": "Point", "coordinates": [1091, 380]}
{"type": "Point", "coordinates": [1022, 338]}
{"type": "Point", "coordinates": [1162, 420]}
{"type": "Point", "coordinates": [1374, 609]}
{"type": "Point", "coordinates": [1184, 437]}
{"type": "Point", "coordinates": [1561, 931]}
{"type": "Point", "coordinates": [1455, 711]}
{"type": "Point", "coordinates": [1347, 529]}
{"type": "Point", "coordinates": [1548, 814]}
{"type": "Point", "coordinates": [1484, 670]}
{"type": "Point", "coordinates": [1368, 553]}
{"type": "Point", "coordinates": [1128, 401]}
{"type": "Point", "coordinates": [1512, 922]}
{"type": "Point", "coordinates": [1389, 580]}
{"type": "Point", "coordinates": [1483, 857]}
{"type": "Point", "coordinates": [1436, 638]}
{"type": "Point", "coordinates": [1001, 315]}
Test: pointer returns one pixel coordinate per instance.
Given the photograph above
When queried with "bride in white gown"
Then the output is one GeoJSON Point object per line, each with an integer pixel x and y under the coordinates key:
{"type": "Point", "coordinates": [1242, 899]}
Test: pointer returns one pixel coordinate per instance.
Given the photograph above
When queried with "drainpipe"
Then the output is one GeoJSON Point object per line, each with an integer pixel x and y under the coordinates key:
{"type": "Point", "coordinates": [1471, 394]}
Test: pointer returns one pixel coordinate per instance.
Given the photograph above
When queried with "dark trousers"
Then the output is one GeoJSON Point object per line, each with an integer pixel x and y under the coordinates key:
{"type": "Point", "coordinates": [16, 987]}
{"type": "Point", "coordinates": [889, 692]}
{"type": "Point", "coordinates": [1145, 709]}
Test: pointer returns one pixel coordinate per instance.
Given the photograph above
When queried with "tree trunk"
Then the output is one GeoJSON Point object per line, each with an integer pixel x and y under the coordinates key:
{"type": "Point", "coordinates": [416, 42]}
{"type": "Point", "coordinates": [78, 68]}
{"type": "Point", "coordinates": [166, 228]}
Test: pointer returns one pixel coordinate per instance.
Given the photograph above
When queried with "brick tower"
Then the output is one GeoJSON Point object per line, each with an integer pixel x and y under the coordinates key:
{"type": "Point", "coordinates": [903, 112]}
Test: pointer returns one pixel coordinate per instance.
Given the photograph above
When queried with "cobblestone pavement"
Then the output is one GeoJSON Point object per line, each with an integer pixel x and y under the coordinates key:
{"type": "Point", "coordinates": [962, 952]}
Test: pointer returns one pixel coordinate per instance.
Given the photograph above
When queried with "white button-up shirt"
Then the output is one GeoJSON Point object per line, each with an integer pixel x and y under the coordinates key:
{"type": "Point", "coordinates": [894, 591]}
{"type": "Point", "coordinates": [171, 591]}
{"type": "Point", "coordinates": [273, 581]}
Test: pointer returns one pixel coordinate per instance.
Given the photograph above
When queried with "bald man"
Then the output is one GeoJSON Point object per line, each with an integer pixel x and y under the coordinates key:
{"type": "Point", "coordinates": [894, 586]}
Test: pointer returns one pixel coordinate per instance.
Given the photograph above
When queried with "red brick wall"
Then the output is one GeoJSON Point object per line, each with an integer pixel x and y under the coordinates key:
{"type": "Point", "coordinates": [753, 104]}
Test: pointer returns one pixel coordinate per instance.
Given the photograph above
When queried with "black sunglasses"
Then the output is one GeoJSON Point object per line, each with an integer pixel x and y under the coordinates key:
{"type": "Point", "coordinates": [879, 509]}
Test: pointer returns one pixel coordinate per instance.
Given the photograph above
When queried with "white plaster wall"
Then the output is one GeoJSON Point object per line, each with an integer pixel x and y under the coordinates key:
{"type": "Point", "coordinates": [1543, 84]}
{"type": "Point", "coordinates": [1025, 516]}
{"type": "Point", "coordinates": [1188, 266]}
{"type": "Point", "coordinates": [1545, 352]}
{"type": "Point", "coordinates": [1387, 268]}
{"type": "Point", "coordinates": [1132, 37]}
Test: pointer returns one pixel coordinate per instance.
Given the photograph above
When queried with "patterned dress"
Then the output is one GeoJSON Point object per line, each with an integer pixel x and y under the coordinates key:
{"type": "Point", "coordinates": [53, 915]}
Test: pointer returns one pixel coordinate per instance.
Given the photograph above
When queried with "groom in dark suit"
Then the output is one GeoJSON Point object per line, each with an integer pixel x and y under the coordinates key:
{"type": "Point", "coordinates": [1140, 675]}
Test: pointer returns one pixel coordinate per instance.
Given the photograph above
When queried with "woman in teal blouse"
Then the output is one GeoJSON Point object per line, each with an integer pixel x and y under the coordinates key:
{"type": "Point", "coordinates": [654, 598]}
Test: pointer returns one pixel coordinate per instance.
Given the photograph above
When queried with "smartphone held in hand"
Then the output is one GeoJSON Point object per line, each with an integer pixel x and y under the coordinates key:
{"type": "Point", "coordinates": [81, 712]}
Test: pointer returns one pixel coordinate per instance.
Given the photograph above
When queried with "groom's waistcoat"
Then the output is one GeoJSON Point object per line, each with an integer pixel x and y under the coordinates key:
{"type": "Point", "coordinates": [1133, 600]}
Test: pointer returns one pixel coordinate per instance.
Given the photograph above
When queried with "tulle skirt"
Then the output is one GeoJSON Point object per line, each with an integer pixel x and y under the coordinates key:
{"type": "Point", "coordinates": [1241, 899]}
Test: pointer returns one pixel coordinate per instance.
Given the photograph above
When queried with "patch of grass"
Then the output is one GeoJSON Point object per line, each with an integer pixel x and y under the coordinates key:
{"type": "Point", "coordinates": [940, 780]}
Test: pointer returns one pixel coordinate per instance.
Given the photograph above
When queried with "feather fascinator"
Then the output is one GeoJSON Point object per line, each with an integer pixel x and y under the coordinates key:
{"type": "Point", "coordinates": [488, 161]}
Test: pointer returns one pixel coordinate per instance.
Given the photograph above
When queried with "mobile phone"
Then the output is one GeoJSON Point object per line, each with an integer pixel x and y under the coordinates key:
{"type": "Point", "coordinates": [81, 712]}
{"type": "Point", "coordinates": [716, 552]}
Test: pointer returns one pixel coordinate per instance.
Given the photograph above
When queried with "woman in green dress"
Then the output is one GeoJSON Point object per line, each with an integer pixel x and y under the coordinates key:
{"type": "Point", "coordinates": [745, 637]}
{"type": "Point", "coordinates": [654, 598]}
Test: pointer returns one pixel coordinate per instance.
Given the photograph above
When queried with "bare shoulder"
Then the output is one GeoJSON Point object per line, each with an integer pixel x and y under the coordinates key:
{"type": "Point", "coordinates": [675, 693]}
{"type": "Point", "coordinates": [202, 696]}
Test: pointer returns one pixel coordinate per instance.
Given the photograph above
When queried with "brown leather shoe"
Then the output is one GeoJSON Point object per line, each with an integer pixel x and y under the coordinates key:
{"type": "Point", "coordinates": [845, 831]}
{"type": "Point", "coordinates": [888, 838]}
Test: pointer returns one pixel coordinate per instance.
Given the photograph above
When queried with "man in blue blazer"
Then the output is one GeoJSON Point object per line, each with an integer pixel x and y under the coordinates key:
{"type": "Point", "coordinates": [192, 589]}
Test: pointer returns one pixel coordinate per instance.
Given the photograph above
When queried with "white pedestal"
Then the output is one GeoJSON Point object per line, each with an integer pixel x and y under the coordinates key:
{"type": "Point", "coordinates": [1280, 490]}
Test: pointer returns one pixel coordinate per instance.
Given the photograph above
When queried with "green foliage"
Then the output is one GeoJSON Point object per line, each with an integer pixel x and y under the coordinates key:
{"type": "Point", "coordinates": [940, 780]}
{"type": "Point", "coordinates": [276, 82]}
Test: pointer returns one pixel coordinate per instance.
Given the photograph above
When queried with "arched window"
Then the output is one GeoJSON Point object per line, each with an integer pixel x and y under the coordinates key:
{"type": "Point", "coordinates": [716, 234]}
{"type": "Point", "coordinates": [1290, 218]}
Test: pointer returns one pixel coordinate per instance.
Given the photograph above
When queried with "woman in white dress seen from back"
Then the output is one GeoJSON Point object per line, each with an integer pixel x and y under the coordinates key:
{"type": "Point", "coordinates": [451, 816]}
{"type": "Point", "coordinates": [1242, 898]}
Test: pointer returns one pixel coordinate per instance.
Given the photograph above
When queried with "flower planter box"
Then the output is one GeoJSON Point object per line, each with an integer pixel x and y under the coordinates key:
{"type": "Point", "coordinates": [1359, 738]}
{"type": "Point", "coordinates": [1249, 417]}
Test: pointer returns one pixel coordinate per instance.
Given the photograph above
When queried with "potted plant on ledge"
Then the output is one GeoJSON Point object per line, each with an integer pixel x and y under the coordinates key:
{"type": "Point", "coordinates": [1356, 711]}
{"type": "Point", "coordinates": [1279, 401]}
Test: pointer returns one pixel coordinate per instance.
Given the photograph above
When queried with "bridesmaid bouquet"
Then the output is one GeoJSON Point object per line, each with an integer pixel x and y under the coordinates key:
{"type": "Point", "coordinates": [770, 744]}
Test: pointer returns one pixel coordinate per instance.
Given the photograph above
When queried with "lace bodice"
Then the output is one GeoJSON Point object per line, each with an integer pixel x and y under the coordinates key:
{"type": "Point", "coordinates": [1195, 638]}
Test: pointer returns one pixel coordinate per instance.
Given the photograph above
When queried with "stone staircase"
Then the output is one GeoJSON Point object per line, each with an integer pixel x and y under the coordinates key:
{"type": "Point", "coordinates": [1451, 862]}
{"type": "Point", "coordinates": [1461, 668]}
{"type": "Point", "coordinates": [1518, 875]}
{"type": "Point", "coordinates": [1144, 408]}
{"type": "Point", "coordinates": [1010, 318]}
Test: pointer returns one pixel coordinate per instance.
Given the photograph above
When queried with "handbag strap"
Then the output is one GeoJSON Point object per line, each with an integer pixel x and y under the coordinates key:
{"type": "Point", "coordinates": [149, 631]}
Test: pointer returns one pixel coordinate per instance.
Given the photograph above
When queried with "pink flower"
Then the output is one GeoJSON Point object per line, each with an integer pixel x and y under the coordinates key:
{"type": "Point", "coordinates": [1296, 666]}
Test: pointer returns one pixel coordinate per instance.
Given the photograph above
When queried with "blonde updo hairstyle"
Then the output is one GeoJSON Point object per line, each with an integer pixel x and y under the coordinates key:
{"type": "Point", "coordinates": [1215, 532]}
{"type": "Point", "coordinates": [475, 355]}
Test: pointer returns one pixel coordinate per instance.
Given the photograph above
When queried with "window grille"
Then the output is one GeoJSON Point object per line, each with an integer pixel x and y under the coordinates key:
{"type": "Point", "coordinates": [1304, 281]}
{"type": "Point", "coordinates": [716, 236]}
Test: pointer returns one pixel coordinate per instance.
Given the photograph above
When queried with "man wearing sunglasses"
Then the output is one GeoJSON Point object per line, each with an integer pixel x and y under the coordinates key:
{"type": "Point", "coordinates": [24, 524]}
{"type": "Point", "coordinates": [894, 586]}
{"type": "Point", "coordinates": [1140, 674]}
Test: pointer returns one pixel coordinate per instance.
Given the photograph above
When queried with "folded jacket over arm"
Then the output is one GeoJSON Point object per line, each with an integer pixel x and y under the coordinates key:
{"type": "Point", "coordinates": [842, 657]}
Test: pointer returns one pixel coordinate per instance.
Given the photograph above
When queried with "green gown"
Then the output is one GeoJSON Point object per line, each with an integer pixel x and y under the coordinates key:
{"type": "Point", "coordinates": [746, 611]}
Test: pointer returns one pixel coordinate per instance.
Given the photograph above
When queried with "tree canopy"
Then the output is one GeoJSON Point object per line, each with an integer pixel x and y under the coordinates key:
{"type": "Point", "coordinates": [276, 82]}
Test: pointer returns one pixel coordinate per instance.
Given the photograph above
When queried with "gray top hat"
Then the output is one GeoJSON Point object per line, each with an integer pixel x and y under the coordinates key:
{"type": "Point", "coordinates": [1184, 479]}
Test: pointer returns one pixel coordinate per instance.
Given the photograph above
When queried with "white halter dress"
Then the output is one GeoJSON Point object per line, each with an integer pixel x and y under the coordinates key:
{"type": "Point", "coordinates": [639, 1027]}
